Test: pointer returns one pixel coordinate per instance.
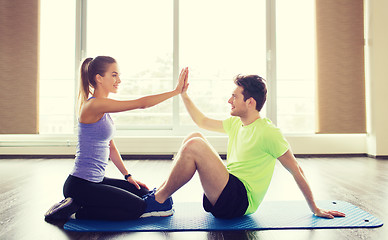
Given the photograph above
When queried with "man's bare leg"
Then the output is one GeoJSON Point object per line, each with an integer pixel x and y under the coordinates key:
{"type": "Point", "coordinates": [196, 154]}
{"type": "Point", "coordinates": [190, 136]}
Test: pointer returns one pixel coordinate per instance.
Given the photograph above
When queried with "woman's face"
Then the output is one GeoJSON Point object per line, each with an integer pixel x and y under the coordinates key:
{"type": "Point", "coordinates": [111, 79]}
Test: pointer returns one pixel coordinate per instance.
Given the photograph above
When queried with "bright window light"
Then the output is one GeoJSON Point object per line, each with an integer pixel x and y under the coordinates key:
{"type": "Point", "coordinates": [219, 40]}
{"type": "Point", "coordinates": [57, 56]}
{"type": "Point", "coordinates": [216, 39]}
{"type": "Point", "coordinates": [295, 42]}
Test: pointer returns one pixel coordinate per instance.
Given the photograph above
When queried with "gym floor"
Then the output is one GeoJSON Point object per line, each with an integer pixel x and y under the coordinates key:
{"type": "Point", "coordinates": [28, 187]}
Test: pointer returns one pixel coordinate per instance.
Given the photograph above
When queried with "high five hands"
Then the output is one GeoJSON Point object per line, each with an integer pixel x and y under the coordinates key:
{"type": "Point", "coordinates": [182, 84]}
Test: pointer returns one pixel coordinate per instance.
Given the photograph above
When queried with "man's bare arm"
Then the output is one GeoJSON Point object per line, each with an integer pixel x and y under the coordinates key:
{"type": "Point", "coordinates": [291, 164]}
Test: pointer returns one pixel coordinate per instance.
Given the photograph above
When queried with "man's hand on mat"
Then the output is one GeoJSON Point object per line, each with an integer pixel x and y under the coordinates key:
{"type": "Point", "coordinates": [137, 183]}
{"type": "Point", "coordinates": [328, 213]}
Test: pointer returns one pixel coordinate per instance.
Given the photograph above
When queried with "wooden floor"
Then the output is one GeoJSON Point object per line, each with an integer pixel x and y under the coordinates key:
{"type": "Point", "coordinates": [28, 187]}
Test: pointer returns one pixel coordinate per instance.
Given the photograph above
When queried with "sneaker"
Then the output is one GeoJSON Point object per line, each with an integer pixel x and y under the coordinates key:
{"type": "Point", "coordinates": [156, 209]}
{"type": "Point", "coordinates": [62, 210]}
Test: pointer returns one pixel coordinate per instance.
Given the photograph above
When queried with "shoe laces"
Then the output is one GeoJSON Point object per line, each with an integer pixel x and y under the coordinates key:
{"type": "Point", "coordinates": [152, 192]}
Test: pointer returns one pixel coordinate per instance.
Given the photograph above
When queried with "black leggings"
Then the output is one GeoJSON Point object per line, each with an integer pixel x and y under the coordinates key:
{"type": "Point", "coordinates": [111, 199]}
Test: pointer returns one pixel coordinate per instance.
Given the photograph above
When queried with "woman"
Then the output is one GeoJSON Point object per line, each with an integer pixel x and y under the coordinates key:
{"type": "Point", "coordinates": [88, 192]}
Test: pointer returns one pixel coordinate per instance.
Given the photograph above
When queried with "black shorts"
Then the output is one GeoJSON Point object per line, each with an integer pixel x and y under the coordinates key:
{"type": "Point", "coordinates": [233, 201]}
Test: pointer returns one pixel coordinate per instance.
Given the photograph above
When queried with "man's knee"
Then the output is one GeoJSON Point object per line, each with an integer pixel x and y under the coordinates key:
{"type": "Point", "coordinates": [194, 135]}
{"type": "Point", "coordinates": [193, 145]}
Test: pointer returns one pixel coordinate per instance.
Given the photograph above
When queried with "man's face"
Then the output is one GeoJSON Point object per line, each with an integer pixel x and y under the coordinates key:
{"type": "Point", "coordinates": [239, 106]}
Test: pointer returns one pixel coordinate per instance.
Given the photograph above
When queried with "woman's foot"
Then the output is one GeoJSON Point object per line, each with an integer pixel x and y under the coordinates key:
{"type": "Point", "coordinates": [62, 210]}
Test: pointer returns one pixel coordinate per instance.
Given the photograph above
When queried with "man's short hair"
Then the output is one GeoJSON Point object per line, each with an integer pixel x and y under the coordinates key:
{"type": "Point", "coordinates": [253, 86]}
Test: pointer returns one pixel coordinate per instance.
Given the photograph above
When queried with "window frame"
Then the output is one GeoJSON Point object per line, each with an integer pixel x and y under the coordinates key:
{"type": "Point", "coordinates": [177, 129]}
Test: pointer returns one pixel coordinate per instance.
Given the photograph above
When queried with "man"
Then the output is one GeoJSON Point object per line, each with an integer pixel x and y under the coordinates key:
{"type": "Point", "coordinates": [254, 145]}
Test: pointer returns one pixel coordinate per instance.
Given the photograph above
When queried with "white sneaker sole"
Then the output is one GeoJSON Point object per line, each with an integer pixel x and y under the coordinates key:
{"type": "Point", "coordinates": [158, 214]}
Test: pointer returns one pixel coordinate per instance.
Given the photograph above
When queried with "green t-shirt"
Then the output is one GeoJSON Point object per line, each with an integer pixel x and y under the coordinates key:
{"type": "Point", "coordinates": [252, 153]}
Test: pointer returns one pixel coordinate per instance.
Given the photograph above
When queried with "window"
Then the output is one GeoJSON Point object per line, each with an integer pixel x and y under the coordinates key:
{"type": "Point", "coordinates": [216, 39]}
{"type": "Point", "coordinates": [139, 35]}
{"type": "Point", "coordinates": [217, 48]}
{"type": "Point", "coordinates": [57, 55]}
{"type": "Point", "coordinates": [295, 48]}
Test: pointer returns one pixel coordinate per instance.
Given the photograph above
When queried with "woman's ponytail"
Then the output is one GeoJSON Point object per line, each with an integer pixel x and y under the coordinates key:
{"type": "Point", "coordinates": [84, 87]}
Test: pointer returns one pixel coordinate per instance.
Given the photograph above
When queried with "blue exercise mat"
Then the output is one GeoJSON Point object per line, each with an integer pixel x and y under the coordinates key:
{"type": "Point", "coordinates": [270, 215]}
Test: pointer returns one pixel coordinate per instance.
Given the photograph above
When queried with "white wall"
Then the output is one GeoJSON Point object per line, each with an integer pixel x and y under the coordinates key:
{"type": "Point", "coordinates": [376, 53]}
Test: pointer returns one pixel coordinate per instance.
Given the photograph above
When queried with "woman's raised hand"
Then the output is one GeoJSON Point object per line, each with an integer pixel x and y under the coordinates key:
{"type": "Point", "coordinates": [182, 81]}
